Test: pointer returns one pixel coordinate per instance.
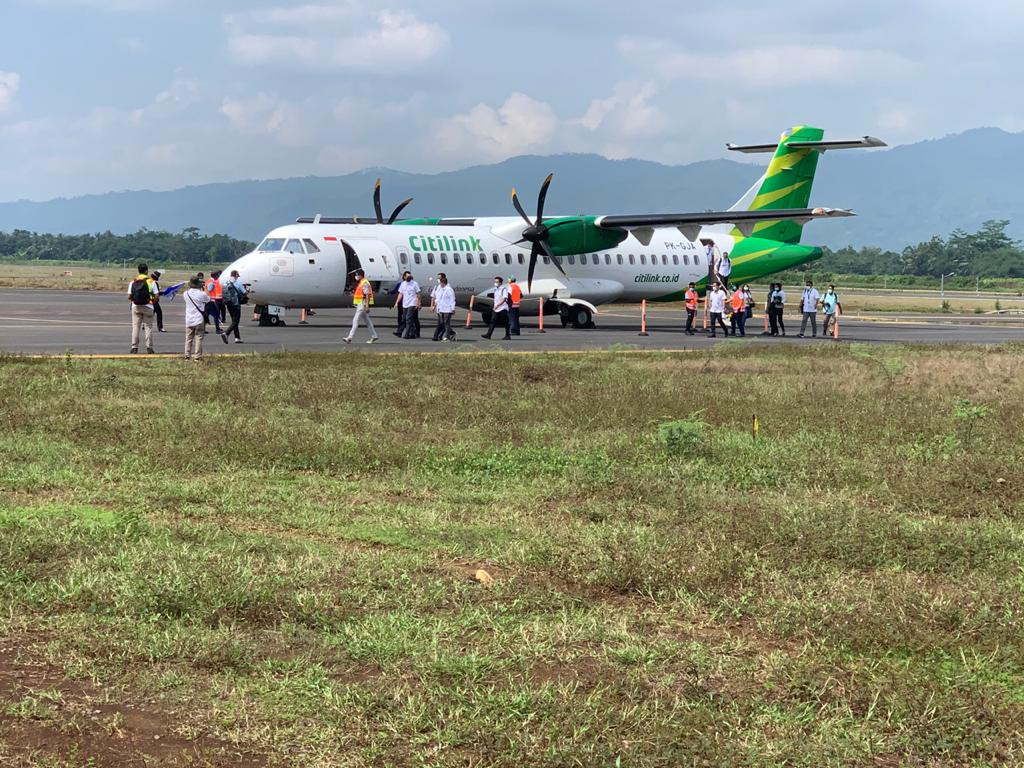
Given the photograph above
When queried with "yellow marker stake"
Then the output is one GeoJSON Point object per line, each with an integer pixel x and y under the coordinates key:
{"type": "Point", "coordinates": [755, 426]}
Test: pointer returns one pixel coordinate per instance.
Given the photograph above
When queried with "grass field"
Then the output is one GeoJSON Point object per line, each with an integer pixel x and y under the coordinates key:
{"type": "Point", "coordinates": [268, 560]}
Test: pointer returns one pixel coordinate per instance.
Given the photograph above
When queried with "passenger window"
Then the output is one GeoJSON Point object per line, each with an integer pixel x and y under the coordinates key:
{"type": "Point", "coordinates": [686, 259]}
{"type": "Point", "coordinates": [696, 259]}
{"type": "Point", "coordinates": [632, 260]}
{"type": "Point", "coordinates": [596, 259]}
{"type": "Point", "coordinates": [643, 258]}
{"type": "Point", "coordinates": [496, 258]}
{"type": "Point", "coordinates": [469, 258]}
{"type": "Point", "coordinates": [455, 258]}
{"type": "Point", "coordinates": [294, 246]}
{"type": "Point", "coordinates": [310, 246]}
{"type": "Point", "coordinates": [608, 259]}
{"type": "Point", "coordinates": [675, 259]}
{"type": "Point", "coordinates": [572, 259]}
{"type": "Point", "coordinates": [664, 260]}
{"type": "Point", "coordinates": [547, 260]}
{"type": "Point", "coordinates": [444, 258]}
{"type": "Point", "coordinates": [416, 258]}
{"type": "Point", "coordinates": [521, 259]}
{"type": "Point", "coordinates": [404, 257]}
{"type": "Point", "coordinates": [618, 259]}
{"type": "Point", "coordinates": [430, 258]}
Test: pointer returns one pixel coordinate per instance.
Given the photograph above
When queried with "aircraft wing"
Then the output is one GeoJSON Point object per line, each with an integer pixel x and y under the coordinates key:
{"type": "Point", "coordinates": [643, 225]}
{"type": "Point", "coordinates": [172, 290]}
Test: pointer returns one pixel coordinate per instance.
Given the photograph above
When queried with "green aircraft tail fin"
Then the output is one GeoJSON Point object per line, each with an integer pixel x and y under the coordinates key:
{"type": "Point", "coordinates": [786, 184]}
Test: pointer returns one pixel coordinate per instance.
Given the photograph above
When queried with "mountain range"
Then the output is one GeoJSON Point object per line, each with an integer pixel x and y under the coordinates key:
{"type": "Point", "coordinates": [902, 195]}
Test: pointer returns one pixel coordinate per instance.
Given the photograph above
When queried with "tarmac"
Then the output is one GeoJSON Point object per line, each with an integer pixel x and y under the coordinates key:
{"type": "Point", "coordinates": [60, 322]}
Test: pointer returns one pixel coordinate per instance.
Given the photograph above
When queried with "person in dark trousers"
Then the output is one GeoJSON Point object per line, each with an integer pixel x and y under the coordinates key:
{"type": "Point", "coordinates": [233, 293]}
{"type": "Point", "coordinates": [500, 312]}
{"type": "Point", "coordinates": [409, 297]}
{"type": "Point", "coordinates": [774, 306]}
{"type": "Point", "coordinates": [215, 309]}
{"type": "Point", "coordinates": [692, 298]}
{"type": "Point", "coordinates": [443, 303]}
{"type": "Point", "coordinates": [809, 301]}
{"type": "Point", "coordinates": [515, 298]}
{"type": "Point", "coordinates": [716, 306]}
{"type": "Point", "coordinates": [157, 310]}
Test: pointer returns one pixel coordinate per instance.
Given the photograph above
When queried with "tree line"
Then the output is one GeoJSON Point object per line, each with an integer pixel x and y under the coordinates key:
{"type": "Point", "coordinates": [154, 247]}
{"type": "Point", "coordinates": [989, 252]}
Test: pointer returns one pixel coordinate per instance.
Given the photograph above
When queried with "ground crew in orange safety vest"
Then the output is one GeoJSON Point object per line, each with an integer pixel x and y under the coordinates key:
{"type": "Point", "coordinates": [215, 291]}
{"type": "Point", "coordinates": [362, 300]}
{"type": "Point", "coordinates": [692, 299]}
{"type": "Point", "coordinates": [515, 294]}
{"type": "Point", "coordinates": [738, 302]}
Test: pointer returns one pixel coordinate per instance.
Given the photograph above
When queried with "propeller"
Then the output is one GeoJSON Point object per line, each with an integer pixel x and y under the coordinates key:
{"type": "Point", "coordinates": [536, 232]}
{"type": "Point", "coordinates": [380, 213]}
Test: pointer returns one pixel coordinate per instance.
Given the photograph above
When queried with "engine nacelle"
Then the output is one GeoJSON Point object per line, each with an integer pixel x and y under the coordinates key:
{"type": "Point", "coordinates": [569, 235]}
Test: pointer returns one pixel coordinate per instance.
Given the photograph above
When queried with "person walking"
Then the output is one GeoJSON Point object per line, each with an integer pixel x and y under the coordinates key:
{"type": "Point", "coordinates": [442, 301]}
{"type": "Point", "coordinates": [362, 300]}
{"type": "Point", "coordinates": [196, 300]}
{"type": "Point", "coordinates": [748, 301]}
{"type": "Point", "coordinates": [830, 304]}
{"type": "Point", "coordinates": [725, 269]}
{"type": "Point", "coordinates": [499, 314]}
{"type": "Point", "coordinates": [158, 312]}
{"type": "Point", "coordinates": [515, 298]}
{"type": "Point", "coordinates": [409, 295]}
{"type": "Point", "coordinates": [140, 294]}
{"type": "Point", "coordinates": [716, 304]}
{"type": "Point", "coordinates": [809, 307]}
{"type": "Point", "coordinates": [234, 295]}
{"type": "Point", "coordinates": [692, 299]}
{"type": "Point", "coordinates": [738, 304]}
{"type": "Point", "coordinates": [774, 307]}
{"type": "Point", "coordinates": [215, 309]}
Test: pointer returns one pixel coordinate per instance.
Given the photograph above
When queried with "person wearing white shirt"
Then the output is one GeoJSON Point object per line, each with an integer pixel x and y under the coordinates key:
{"type": "Point", "coordinates": [809, 307]}
{"type": "Point", "coordinates": [409, 295]}
{"type": "Point", "coordinates": [443, 303]}
{"type": "Point", "coordinates": [196, 300]}
{"type": "Point", "coordinates": [499, 314]}
{"type": "Point", "coordinates": [716, 306]}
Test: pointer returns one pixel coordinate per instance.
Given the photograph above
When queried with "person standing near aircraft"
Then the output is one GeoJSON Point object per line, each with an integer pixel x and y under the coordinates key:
{"type": "Point", "coordinates": [157, 310]}
{"type": "Point", "coordinates": [196, 300]}
{"type": "Point", "coordinates": [725, 269]}
{"type": "Point", "coordinates": [830, 304]}
{"type": "Point", "coordinates": [500, 312]}
{"type": "Point", "coordinates": [692, 298]}
{"type": "Point", "coordinates": [809, 307]}
{"type": "Point", "coordinates": [140, 294]}
{"type": "Point", "coordinates": [443, 303]}
{"type": "Point", "coordinates": [233, 292]}
{"type": "Point", "coordinates": [716, 303]}
{"type": "Point", "coordinates": [362, 300]}
{"type": "Point", "coordinates": [774, 307]}
{"type": "Point", "coordinates": [739, 313]}
{"type": "Point", "coordinates": [215, 291]}
{"type": "Point", "coordinates": [748, 302]}
{"type": "Point", "coordinates": [409, 295]}
{"type": "Point", "coordinates": [515, 298]}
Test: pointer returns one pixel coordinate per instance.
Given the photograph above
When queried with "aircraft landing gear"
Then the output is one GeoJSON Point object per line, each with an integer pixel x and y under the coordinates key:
{"type": "Point", "coordinates": [579, 315]}
{"type": "Point", "coordinates": [269, 316]}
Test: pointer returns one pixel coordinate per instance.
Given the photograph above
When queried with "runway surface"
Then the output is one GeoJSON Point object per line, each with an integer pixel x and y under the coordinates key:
{"type": "Point", "coordinates": [62, 322]}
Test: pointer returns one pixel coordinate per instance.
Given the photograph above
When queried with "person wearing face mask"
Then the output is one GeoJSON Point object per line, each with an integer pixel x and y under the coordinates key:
{"type": "Point", "coordinates": [500, 312]}
{"type": "Point", "coordinates": [809, 300]}
{"type": "Point", "coordinates": [738, 321]}
{"type": "Point", "coordinates": [774, 307]}
{"type": "Point", "coordinates": [442, 301]}
{"type": "Point", "coordinates": [409, 295]}
{"type": "Point", "coordinates": [716, 305]}
{"type": "Point", "coordinates": [830, 304]}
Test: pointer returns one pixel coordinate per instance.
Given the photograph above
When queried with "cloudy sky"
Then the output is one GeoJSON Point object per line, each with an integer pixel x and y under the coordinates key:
{"type": "Point", "coordinates": [97, 95]}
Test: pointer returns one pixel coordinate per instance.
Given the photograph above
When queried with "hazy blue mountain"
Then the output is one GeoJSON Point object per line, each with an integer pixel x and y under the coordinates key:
{"type": "Point", "coordinates": [903, 195]}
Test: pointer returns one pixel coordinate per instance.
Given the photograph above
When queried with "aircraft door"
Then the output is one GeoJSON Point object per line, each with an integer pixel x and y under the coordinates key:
{"type": "Point", "coordinates": [373, 256]}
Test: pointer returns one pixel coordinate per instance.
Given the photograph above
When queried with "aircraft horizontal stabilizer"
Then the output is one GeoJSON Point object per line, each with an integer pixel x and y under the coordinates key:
{"type": "Point", "coordinates": [689, 224]}
{"type": "Point", "coordinates": [866, 142]}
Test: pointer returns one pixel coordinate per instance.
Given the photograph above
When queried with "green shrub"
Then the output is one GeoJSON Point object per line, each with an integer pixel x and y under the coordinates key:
{"type": "Point", "coordinates": [683, 437]}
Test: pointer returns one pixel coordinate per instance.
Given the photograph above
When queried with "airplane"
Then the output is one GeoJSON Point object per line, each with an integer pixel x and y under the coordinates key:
{"type": "Point", "coordinates": [573, 263]}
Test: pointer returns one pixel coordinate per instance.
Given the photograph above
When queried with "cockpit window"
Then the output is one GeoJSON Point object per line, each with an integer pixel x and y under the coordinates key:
{"type": "Point", "coordinates": [273, 244]}
{"type": "Point", "coordinates": [311, 247]}
{"type": "Point", "coordinates": [294, 246]}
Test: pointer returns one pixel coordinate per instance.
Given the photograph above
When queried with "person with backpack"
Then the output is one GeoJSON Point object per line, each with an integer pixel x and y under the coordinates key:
{"type": "Point", "coordinates": [775, 306]}
{"type": "Point", "coordinates": [234, 297]}
{"type": "Point", "coordinates": [830, 304]}
{"type": "Point", "coordinates": [196, 300]}
{"type": "Point", "coordinates": [141, 293]}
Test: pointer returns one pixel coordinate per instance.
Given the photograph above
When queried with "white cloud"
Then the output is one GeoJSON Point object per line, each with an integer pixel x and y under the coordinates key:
{"type": "Point", "coordinates": [331, 37]}
{"type": "Point", "coordinates": [627, 113]}
{"type": "Point", "coordinates": [286, 122]}
{"type": "Point", "coordinates": [10, 83]}
{"type": "Point", "coordinates": [519, 125]}
{"type": "Point", "coordinates": [781, 66]}
{"type": "Point", "coordinates": [104, 5]}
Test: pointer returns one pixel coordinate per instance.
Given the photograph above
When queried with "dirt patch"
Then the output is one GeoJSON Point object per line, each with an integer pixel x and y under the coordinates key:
{"type": "Point", "coordinates": [46, 718]}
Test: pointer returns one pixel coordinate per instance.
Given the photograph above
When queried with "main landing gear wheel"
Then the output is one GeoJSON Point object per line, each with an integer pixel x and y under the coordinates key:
{"type": "Point", "coordinates": [580, 317]}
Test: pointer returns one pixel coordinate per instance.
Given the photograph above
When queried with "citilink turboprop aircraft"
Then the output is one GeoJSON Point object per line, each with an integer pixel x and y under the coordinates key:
{"type": "Point", "coordinates": [575, 263]}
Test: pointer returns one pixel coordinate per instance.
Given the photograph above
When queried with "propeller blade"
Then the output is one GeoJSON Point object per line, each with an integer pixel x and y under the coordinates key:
{"type": "Point", "coordinates": [542, 197]}
{"type": "Point", "coordinates": [550, 254]}
{"type": "Point", "coordinates": [533, 267]}
{"type": "Point", "coordinates": [519, 207]}
{"type": "Point", "coordinates": [376, 203]}
{"type": "Point", "coordinates": [398, 210]}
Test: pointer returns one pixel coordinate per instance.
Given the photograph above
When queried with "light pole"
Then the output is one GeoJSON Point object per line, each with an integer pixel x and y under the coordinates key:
{"type": "Point", "coordinates": [942, 284]}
